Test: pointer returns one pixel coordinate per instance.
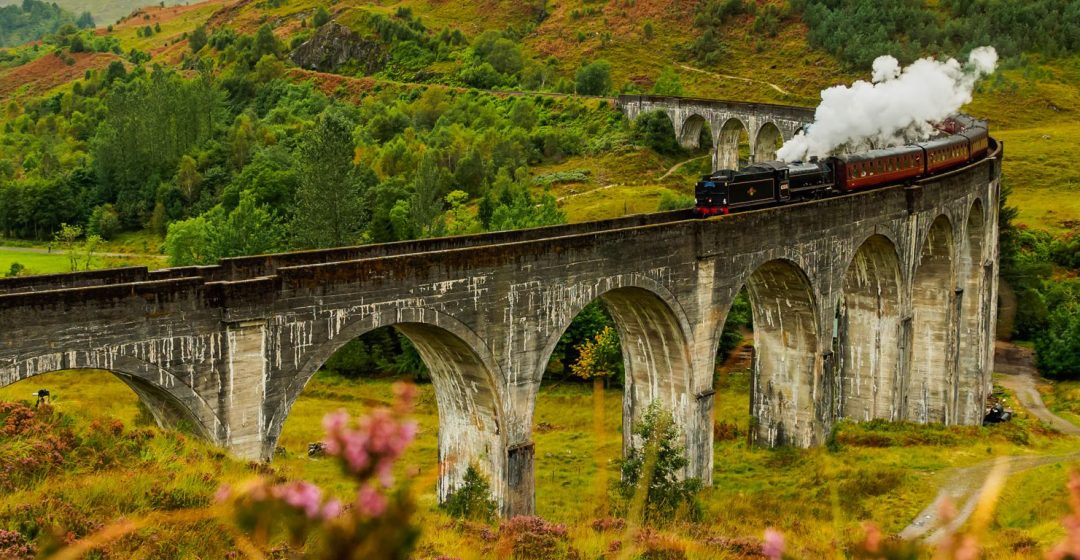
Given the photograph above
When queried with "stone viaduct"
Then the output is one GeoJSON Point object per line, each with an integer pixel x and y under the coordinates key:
{"type": "Point", "coordinates": [875, 305]}
{"type": "Point", "coordinates": [766, 126]}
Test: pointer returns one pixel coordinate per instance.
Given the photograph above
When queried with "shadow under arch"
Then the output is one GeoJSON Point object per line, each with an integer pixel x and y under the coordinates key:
{"type": "Point", "coordinates": [971, 387]}
{"type": "Point", "coordinates": [691, 134]}
{"type": "Point", "coordinates": [786, 363]}
{"type": "Point", "coordinates": [767, 140]}
{"type": "Point", "coordinates": [868, 333]}
{"type": "Point", "coordinates": [654, 335]}
{"type": "Point", "coordinates": [932, 365]}
{"type": "Point", "coordinates": [730, 138]}
{"type": "Point", "coordinates": [467, 392]}
{"type": "Point", "coordinates": [171, 401]}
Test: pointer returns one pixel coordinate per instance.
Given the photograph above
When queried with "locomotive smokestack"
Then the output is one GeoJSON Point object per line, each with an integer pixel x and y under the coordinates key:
{"type": "Point", "coordinates": [898, 106]}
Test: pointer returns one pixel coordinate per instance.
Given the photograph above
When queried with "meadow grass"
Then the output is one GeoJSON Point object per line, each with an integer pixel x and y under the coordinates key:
{"type": "Point", "coordinates": [818, 497]}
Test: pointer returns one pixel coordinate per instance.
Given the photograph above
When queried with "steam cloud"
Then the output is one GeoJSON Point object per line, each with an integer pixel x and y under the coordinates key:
{"type": "Point", "coordinates": [899, 106]}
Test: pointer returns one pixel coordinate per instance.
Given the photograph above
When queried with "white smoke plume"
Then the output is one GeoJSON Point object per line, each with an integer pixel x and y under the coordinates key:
{"type": "Point", "coordinates": [897, 107]}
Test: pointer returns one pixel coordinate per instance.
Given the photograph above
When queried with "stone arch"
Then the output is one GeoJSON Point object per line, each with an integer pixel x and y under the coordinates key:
{"type": "Point", "coordinates": [766, 141]}
{"type": "Point", "coordinates": [655, 338]}
{"type": "Point", "coordinates": [727, 144]}
{"type": "Point", "coordinates": [971, 387]}
{"type": "Point", "coordinates": [932, 363]}
{"type": "Point", "coordinates": [868, 329]}
{"type": "Point", "coordinates": [467, 391]}
{"type": "Point", "coordinates": [787, 361]}
{"type": "Point", "coordinates": [171, 401]}
{"type": "Point", "coordinates": [690, 134]}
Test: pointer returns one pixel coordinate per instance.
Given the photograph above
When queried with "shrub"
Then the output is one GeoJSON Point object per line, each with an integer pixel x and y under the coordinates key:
{"type": "Point", "coordinates": [533, 538]}
{"type": "Point", "coordinates": [472, 500]}
{"type": "Point", "coordinates": [674, 201]}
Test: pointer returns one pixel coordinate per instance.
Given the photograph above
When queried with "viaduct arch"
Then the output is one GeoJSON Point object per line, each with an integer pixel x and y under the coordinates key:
{"type": "Point", "coordinates": [765, 125]}
{"type": "Point", "coordinates": [874, 305]}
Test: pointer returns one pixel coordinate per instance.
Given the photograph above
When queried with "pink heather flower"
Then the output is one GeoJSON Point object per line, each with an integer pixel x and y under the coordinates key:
{"type": "Point", "coordinates": [773, 546]}
{"type": "Point", "coordinates": [301, 495]}
{"type": "Point", "coordinates": [223, 493]}
{"type": "Point", "coordinates": [331, 509]}
{"type": "Point", "coordinates": [370, 502]}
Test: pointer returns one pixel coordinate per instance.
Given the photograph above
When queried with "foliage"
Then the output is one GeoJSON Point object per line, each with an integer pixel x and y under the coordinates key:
{"type": "Point", "coordinates": [472, 499]}
{"type": "Point", "coordinates": [600, 357]}
{"type": "Point", "coordinates": [654, 130]}
{"type": "Point", "coordinates": [378, 353]}
{"type": "Point", "coordinates": [594, 78]}
{"type": "Point", "coordinates": [739, 317]}
{"type": "Point", "coordinates": [651, 488]}
{"type": "Point", "coordinates": [857, 31]}
{"type": "Point", "coordinates": [673, 201]}
{"type": "Point", "coordinates": [31, 20]}
{"type": "Point", "coordinates": [1057, 347]}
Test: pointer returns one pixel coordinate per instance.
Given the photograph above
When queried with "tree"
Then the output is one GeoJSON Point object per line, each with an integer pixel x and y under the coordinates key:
{"type": "Point", "coordinates": [330, 207]}
{"type": "Point", "coordinates": [321, 17]}
{"type": "Point", "coordinates": [85, 21]}
{"type": "Point", "coordinates": [594, 78]}
{"type": "Point", "coordinates": [198, 39]}
{"type": "Point", "coordinates": [650, 489]}
{"type": "Point", "coordinates": [472, 499]}
{"type": "Point", "coordinates": [188, 242]}
{"type": "Point", "coordinates": [265, 43]}
{"type": "Point", "coordinates": [66, 238]}
{"type": "Point", "coordinates": [599, 359]}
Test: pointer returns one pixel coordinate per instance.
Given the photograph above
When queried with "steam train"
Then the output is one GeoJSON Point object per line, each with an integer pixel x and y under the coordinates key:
{"type": "Point", "coordinates": [775, 182]}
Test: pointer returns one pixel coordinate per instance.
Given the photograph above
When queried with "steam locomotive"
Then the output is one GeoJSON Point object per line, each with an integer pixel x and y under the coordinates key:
{"type": "Point", "coordinates": [776, 182]}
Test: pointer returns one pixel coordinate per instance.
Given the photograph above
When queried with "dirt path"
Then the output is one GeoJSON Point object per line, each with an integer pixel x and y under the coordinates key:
{"type": "Point", "coordinates": [964, 486]}
{"type": "Point", "coordinates": [676, 167]}
{"type": "Point", "coordinates": [740, 78]}
{"type": "Point", "coordinates": [40, 251]}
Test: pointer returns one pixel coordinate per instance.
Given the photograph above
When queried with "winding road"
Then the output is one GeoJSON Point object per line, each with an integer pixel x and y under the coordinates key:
{"type": "Point", "coordinates": [965, 485]}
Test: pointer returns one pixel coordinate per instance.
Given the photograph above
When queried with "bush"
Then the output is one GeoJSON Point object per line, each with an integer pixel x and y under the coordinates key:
{"type": "Point", "coordinates": [104, 222]}
{"type": "Point", "coordinates": [654, 130]}
{"type": "Point", "coordinates": [675, 201]}
{"type": "Point", "coordinates": [1057, 348]}
{"type": "Point", "coordinates": [472, 500]}
{"type": "Point", "coordinates": [533, 538]}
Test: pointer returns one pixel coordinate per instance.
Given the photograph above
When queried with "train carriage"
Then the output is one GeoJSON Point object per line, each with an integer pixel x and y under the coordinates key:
{"type": "Point", "coordinates": [868, 169]}
{"type": "Point", "coordinates": [945, 153]}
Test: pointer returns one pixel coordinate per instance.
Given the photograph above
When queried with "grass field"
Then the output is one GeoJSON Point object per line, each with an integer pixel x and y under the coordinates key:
{"type": "Point", "coordinates": [818, 497]}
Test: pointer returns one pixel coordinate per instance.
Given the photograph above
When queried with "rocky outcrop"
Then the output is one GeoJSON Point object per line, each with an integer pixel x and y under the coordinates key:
{"type": "Point", "coordinates": [334, 46]}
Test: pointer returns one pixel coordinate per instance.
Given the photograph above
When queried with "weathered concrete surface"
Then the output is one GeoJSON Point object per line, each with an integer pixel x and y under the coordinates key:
{"type": "Point", "coordinates": [228, 348]}
{"type": "Point", "coordinates": [766, 126]}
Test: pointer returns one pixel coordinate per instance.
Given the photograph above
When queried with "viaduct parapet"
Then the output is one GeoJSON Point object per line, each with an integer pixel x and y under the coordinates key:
{"type": "Point", "coordinates": [876, 305]}
{"type": "Point", "coordinates": [766, 126]}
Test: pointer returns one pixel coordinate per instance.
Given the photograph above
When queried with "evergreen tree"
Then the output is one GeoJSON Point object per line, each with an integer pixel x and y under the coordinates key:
{"type": "Point", "coordinates": [329, 203]}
